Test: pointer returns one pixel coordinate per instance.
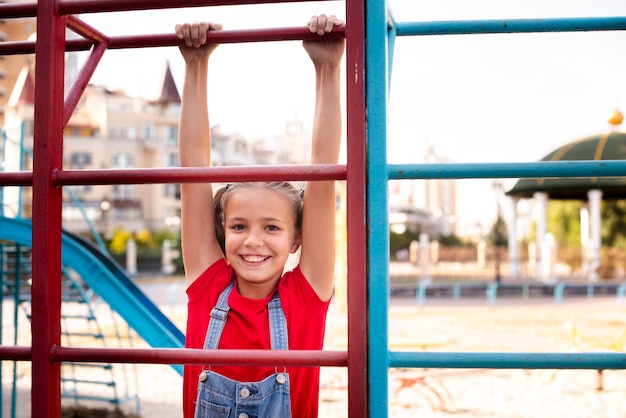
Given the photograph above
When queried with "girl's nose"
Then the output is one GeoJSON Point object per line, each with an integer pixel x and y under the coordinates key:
{"type": "Point", "coordinates": [253, 239]}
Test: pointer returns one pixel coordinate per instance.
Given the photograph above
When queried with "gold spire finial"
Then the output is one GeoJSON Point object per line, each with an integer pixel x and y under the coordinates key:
{"type": "Point", "coordinates": [616, 118]}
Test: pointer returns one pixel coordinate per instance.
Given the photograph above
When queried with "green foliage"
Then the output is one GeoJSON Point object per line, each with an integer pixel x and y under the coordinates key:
{"type": "Point", "coordinates": [402, 241]}
{"type": "Point", "coordinates": [563, 217]}
{"type": "Point", "coordinates": [614, 223]}
{"type": "Point", "coordinates": [498, 236]}
{"type": "Point", "coordinates": [453, 241]}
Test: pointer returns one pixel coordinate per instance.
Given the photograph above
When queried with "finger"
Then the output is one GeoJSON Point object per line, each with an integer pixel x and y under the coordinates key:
{"type": "Point", "coordinates": [330, 23]}
{"type": "Point", "coordinates": [313, 24]}
{"type": "Point", "coordinates": [338, 22]}
{"type": "Point", "coordinates": [322, 21]}
{"type": "Point", "coordinates": [203, 28]}
{"type": "Point", "coordinates": [185, 31]}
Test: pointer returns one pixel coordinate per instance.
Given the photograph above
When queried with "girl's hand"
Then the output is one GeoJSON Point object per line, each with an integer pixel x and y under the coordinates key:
{"type": "Point", "coordinates": [324, 51]}
{"type": "Point", "coordinates": [195, 37]}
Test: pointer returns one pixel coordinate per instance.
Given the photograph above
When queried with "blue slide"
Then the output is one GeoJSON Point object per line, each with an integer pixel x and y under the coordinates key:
{"type": "Point", "coordinates": [109, 280]}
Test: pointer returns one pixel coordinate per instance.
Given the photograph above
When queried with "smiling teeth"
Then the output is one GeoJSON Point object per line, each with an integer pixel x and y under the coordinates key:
{"type": "Point", "coordinates": [254, 259]}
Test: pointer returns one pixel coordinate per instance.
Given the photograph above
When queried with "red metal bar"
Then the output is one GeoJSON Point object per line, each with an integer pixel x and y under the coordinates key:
{"type": "Point", "coordinates": [86, 30]}
{"type": "Point", "coordinates": [309, 358]}
{"type": "Point", "coordinates": [87, 6]}
{"type": "Point", "coordinates": [199, 175]}
{"type": "Point", "coordinates": [169, 39]}
{"type": "Point", "coordinates": [12, 10]}
{"type": "Point", "coordinates": [356, 207]}
{"type": "Point", "coordinates": [47, 199]}
{"type": "Point", "coordinates": [22, 178]}
{"type": "Point", "coordinates": [15, 353]}
{"type": "Point", "coordinates": [79, 85]}
{"type": "Point", "coordinates": [82, 79]}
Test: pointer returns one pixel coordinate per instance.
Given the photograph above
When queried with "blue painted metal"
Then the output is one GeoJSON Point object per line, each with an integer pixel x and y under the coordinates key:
{"type": "Point", "coordinates": [456, 360]}
{"type": "Point", "coordinates": [540, 169]}
{"type": "Point", "coordinates": [377, 91]}
{"type": "Point", "coordinates": [110, 282]}
{"type": "Point", "coordinates": [469, 27]}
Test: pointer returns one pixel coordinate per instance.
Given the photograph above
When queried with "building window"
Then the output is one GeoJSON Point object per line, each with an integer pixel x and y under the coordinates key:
{"type": "Point", "coordinates": [171, 135]}
{"type": "Point", "coordinates": [171, 160]}
{"type": "Point", "coordinates": [172, 190]}
{"type": "Point", "coordinates": [78, 160]}
{"type": "Point", "coordinates": [148, 130]}
{"type": "Point", "coordinates": [122, 161]}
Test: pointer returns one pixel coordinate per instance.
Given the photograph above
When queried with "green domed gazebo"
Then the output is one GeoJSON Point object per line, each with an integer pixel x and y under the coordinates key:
{"type": "Point", "coordinates": [606, 146]}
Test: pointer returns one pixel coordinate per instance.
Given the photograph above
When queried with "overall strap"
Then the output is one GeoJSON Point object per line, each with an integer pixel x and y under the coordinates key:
{"type": "Point", "coordinates": [218, 319]}
{"type": "Point", "coordinates": [278, 323]}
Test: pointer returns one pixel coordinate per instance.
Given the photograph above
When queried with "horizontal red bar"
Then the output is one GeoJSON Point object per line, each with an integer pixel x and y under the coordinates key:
{"type": "Point", "coordinates": [15, 353]}
{"type": "Point", "coordinates": [308, 358]}
{"type": "Point", "coordinates": [87, 6]}
{"type": "Point", "coordinates": [12, 10]}
{"type": "Point", "coordinates": [170, 39]}
{"type": "Point", "coordinates": [17, 178]}
{"type": "Point", "coordinates": [201, 174]}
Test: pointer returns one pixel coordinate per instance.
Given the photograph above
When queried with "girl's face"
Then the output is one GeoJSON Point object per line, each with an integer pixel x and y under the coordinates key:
{"type": "Point", "coordinates": [260, 234]}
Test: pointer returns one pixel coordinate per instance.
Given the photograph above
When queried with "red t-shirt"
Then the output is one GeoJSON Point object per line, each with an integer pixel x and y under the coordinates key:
{"type": "Point", "coordinates": [247, 327]}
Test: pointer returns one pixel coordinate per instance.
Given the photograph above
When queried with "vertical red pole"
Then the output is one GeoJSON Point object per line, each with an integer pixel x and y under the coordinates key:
{"type": "Point", "coordinates": [48, 153]}
{"type": "Point", "coordinates": [356, 208]}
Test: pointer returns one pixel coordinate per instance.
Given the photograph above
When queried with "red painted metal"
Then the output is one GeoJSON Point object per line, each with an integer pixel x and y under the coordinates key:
{"type": "Point", "coordinates": [308, 358]}
{"type": "Point", "coordinates": [356, 207]}
{"type": "Point", "coordinates": [51, 114]}
{"type": "Point", "coordinates": [15, 353]}
{"type": "Point", "coordinates": [47, 200]}
{"type": "Point", "coordinates": [228, 174]}
{"type": "Point", "coordinates": [85, 6]}
{"type": "Point", "coordinates": [12, 10]}
{"type": "Point", "coordinates": [22, 178]}
{"type": "Point", "coordinates": [101, 43]}
{"type": "Point", "coordinates": [170, 39]}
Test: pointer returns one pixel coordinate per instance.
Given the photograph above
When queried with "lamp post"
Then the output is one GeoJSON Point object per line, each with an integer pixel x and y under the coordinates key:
{"type": "Point", "coordinates": [497, 229]}
{"type": "Point", "coordinates": [105, 207]}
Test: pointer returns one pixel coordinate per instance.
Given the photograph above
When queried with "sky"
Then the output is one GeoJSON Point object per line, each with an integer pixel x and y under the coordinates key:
{"type": "Point", "coordinates": [471, 98]}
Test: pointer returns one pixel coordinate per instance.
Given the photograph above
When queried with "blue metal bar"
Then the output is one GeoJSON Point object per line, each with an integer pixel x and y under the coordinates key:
{"type": "Point", "coordinates": [469, 27]}
{"type": "Point", "coordinates": [377, 89]}
{"type": "Point", "coordinates": [540, 169]}
{"type": "Point", "coordinates": [455, 360]}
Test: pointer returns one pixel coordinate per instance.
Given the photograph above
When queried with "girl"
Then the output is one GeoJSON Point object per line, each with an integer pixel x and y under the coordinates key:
{"type": "Point", "coordinates": [239, 296]}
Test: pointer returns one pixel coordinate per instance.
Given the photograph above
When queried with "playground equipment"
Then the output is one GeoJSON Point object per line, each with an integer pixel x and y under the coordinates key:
{"type": "Point", "coordinates": [367, 173]}
{"type": "Point", "coordinates": [88, 270]}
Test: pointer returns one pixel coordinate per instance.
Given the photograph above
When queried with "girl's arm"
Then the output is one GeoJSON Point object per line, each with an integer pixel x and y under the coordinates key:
{"type": "Point", "coordinates": [317, 260]}
{"type": "Point", "coordinates": [200, 248]}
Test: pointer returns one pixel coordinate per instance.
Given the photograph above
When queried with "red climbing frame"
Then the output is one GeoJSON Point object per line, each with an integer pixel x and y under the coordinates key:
{"type": "Point", "coordinates": [52, 111]}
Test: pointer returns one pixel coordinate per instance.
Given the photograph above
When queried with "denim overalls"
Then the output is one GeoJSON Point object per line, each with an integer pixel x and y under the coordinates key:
{"type": "Point", "coordinates": [219, 396]}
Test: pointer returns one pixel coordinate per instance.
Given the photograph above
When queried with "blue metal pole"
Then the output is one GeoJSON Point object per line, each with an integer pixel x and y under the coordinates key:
{"type": "Point", "coordinates": [469, 27]}
{"type": "Point", "coordinates": [377, 67]}
{"type": "Point", "coordinates": [456, 360]}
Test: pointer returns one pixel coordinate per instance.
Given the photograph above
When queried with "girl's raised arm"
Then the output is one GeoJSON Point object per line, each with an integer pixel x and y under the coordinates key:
{"type": "Point", "coordinates": [317, 260]}
{"type": "Point", "coordinates": [199, 246]}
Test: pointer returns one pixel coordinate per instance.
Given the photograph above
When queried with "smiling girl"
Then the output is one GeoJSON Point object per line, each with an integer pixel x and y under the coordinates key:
{"type": "Point", "coordinates": [236, 244]}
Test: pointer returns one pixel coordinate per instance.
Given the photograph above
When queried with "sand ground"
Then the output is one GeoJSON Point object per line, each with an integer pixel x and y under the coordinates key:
{"type": "Point", "coordinates": [511, 325]}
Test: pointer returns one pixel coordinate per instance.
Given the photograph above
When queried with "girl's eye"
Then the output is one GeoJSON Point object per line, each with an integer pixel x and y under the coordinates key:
{"type": "Point", "coordinates": [272, 228]}
{"type": "Point", "coordinates": [237, 227]}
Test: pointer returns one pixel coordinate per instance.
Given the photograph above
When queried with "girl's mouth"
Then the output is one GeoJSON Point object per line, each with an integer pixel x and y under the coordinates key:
{"type": "Point", "coordinates": [253, 258]}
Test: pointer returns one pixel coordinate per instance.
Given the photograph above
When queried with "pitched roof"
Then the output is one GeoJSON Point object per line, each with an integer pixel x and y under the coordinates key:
{"type": "Point", "coordinates": [169, 91]}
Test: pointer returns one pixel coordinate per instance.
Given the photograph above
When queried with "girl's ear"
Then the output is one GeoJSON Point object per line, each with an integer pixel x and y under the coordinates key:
{"type": "Point", "coordinates": [296, 244]}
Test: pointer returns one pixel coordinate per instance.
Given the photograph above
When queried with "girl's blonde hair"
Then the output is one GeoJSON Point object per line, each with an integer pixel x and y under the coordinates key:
{"type": "Point", "coordinates": [293, 194]}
